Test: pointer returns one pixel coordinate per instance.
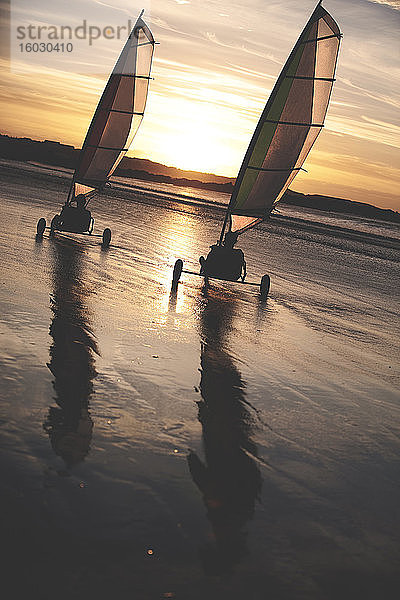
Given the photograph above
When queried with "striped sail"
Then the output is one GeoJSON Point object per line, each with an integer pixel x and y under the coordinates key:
{"type": "Point", "coordinates": [118, 114]}
{"type": "Point", "coordinates": [289, 125]}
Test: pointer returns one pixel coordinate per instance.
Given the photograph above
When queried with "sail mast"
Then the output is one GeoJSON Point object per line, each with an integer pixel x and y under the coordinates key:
{"type": "Point", "coordinates": [289, 124]}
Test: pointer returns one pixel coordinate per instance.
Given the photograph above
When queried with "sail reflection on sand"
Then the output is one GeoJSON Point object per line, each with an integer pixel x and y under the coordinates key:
{"type": "Point", "coordinates": [230, 479]}
{"type": "Point", "coordinates": [69, 424]}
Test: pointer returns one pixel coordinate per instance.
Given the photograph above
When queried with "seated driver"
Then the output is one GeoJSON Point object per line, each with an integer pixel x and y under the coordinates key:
{"type": "Point", "coordinates": [224, 261]}
{"type": "Point", "coordinates": [76, 218]}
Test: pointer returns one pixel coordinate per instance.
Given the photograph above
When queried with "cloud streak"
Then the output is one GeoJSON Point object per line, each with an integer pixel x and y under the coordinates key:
{"type": "Point", "coordinates": [395, 4]}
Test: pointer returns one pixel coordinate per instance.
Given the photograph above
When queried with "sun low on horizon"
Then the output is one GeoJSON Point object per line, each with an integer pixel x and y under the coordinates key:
{"type": "Point", "coordinates": [213, 71]}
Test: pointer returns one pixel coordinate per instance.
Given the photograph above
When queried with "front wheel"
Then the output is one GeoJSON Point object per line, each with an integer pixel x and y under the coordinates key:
{"type": "Point", "coordinates": [106, 237]}
{"type": "Point", "coordinates": [41, 226]}
{"type": "Point", "coordinates": [264, 287]}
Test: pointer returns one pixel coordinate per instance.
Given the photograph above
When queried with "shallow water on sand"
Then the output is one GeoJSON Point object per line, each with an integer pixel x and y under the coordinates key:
{"type": "Point", "coordinates": [203, 445]}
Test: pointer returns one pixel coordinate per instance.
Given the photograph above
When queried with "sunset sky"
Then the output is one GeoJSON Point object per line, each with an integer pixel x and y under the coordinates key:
{"type": "Point", "coordinates": [214, 69]}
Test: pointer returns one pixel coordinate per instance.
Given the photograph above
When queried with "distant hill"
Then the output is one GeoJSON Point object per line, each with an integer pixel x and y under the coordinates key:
{"type": "Point", "coordinates": [62, 155]}
{"type": "Point", "coordinates": [332, 204]}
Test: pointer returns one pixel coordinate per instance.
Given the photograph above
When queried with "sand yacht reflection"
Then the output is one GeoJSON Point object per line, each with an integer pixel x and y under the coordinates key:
{"type": "Point", "coordinates": [69, 424]}
{"type": "Point", "coordinates": [230, 479]}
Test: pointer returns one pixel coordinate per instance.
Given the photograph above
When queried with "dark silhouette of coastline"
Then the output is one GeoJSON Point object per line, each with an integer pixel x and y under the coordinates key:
{"type": "Point", "coordinates": [69, 424]}
{"type": "Point", "coordinates": [230, 479]}
{"type": "Point", "coordinates": [62, 155]}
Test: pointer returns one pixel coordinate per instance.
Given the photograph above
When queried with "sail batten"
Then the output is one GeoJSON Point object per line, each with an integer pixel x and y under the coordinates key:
{"type": "Point", "coordinates": [269, 169]}
{"type": "Point", "coordinates": [325, 37]}
{"type": "Point", "coordinates": [311, 78]}
{"type": "Point", "coordinates": [118, 114]}
{"type": "Point", "coordinates": [289, 125]}
{"type": "Point", "coordinates": [293, 123]}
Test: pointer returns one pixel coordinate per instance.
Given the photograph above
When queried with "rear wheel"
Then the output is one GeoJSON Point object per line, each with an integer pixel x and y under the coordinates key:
{"type": "Point", "coordinates": [55, 222]}
{"type": "Point", "coordinates": [41, 226]}
{"type": "Point", "coordinates": [106, 237]}
{"type": "Point", "coordinates": [264, 287]}
{"type": "Point", "coordinates": [202, 262]}
{"type": "Point", "coordinates": [176, 275]}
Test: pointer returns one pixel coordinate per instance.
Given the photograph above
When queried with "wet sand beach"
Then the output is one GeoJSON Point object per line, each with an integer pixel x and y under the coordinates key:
{"type": "Point", "coordinates": [203, 445]}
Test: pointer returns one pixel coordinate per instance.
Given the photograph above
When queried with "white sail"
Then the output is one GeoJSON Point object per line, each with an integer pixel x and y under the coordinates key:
{"type": "Point", "coordinates": [118, 114]}
{"type": "Point", "coordinates": [289, 125]}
